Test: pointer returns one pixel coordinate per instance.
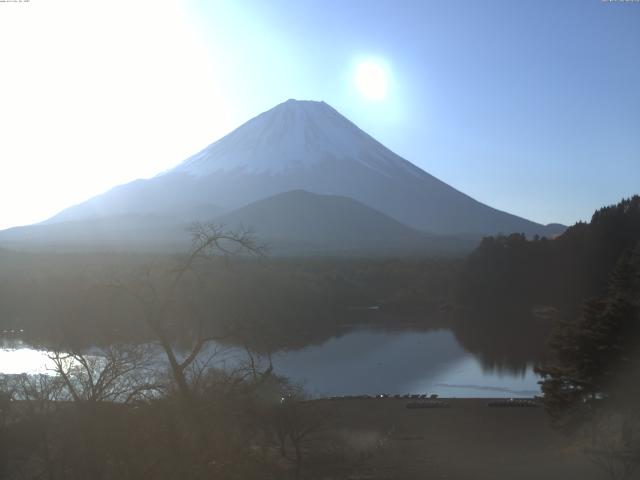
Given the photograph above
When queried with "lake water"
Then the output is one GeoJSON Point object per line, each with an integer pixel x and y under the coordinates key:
{"type": "Point", "coordinates": [363, 361]}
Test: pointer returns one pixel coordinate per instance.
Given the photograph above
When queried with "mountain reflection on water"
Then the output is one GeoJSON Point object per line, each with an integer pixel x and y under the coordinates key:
{"type": "Point", "coordinates": [363, 360]}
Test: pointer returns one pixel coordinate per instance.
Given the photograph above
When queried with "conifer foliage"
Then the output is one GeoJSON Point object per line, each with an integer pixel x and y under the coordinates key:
{"type": "Point", "coordinates": [593, 385]}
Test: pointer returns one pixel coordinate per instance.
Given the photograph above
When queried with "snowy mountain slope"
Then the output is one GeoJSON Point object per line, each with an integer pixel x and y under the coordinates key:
{"type": "Point", "coordinates": [305, 145]}
{"type": "Point", "coordinates": [294, 135]}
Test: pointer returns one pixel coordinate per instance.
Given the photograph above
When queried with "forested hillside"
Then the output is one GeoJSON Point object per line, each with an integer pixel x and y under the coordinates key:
{"type": "Point", "coordinates": [561, 272]}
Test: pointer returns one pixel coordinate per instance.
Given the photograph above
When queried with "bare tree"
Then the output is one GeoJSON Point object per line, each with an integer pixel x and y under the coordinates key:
{"type": "Point", "coordinates": [157, 295]}
{"type": "Point", "coordinates": [117, 373]}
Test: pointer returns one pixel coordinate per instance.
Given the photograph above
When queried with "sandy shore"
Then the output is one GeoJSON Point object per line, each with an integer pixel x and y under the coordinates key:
{"type": "Point", "coordinates": [466, 440]}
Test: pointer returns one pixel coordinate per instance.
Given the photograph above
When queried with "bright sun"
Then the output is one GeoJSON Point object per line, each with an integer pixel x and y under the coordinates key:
{"type": "Point", "coordinates": [371, 80]}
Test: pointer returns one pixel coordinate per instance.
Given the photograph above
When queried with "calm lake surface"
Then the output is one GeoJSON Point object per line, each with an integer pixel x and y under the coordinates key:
{"type": "Point", "coordinates": [362, 361]}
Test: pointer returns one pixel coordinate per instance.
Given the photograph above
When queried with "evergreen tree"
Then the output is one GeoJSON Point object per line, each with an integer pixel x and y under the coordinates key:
{"type": "Point", "coordinates": [597, 356]}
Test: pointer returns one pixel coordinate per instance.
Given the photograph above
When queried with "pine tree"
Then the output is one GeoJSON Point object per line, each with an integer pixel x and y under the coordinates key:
{"type": "Point", "coordinates": [597, 356]}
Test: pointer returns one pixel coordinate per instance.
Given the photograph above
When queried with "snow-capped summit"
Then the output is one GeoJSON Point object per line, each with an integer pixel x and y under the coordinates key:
{"type": "Point", "coordinates": [303, 145]}
{"type": "Point", "coordinates": [293, 134]}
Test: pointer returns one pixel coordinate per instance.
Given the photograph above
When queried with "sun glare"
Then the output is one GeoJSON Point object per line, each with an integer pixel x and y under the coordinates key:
{"type": "Point", "coordinates": [98, 94]}
{"type": "Point", "coordinates": [371, 80]}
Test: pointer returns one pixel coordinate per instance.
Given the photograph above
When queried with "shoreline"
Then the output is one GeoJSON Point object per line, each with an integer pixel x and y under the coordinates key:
{"type": "Point", "coordinates": [467, 439]}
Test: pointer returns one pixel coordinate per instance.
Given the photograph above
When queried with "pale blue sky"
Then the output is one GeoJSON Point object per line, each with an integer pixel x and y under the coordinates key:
{"type": "Point", "coordinates": [529, 106]}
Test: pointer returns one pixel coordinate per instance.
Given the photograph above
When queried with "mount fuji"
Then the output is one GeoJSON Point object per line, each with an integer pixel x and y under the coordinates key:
{"type": "Point", "coordinates": [296, 146]}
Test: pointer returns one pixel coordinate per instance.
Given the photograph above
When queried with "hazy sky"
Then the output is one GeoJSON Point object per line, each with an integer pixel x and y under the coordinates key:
{"type": "Point", "coordinates": [529, 106]}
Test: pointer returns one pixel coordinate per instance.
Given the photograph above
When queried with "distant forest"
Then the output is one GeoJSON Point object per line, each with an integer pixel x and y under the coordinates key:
{"type": "Point", "coordinates": [513, 291]}
{"type": "Point", "coordinates": [112, 414]}
{"type": "Point", "coordinates": [86, 298]}
{"type": "Point", "coordinates": [512, 271]}
{"type": "Point", "coordinates": [501, 301]}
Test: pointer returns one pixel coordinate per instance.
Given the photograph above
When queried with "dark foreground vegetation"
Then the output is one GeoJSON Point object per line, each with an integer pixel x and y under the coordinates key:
{"type": "Point", "coordinates": [571, 305]}
{"type": "Point", "coordinates": [588, 280]}
{"type": "Point", "coordinates": [119, 411]}
{"type": "Point", "coordinates": [110, 416]}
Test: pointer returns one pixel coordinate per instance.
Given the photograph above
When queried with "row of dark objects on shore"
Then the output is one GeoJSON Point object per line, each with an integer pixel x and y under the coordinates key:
{"type": "Point", "coordinates": [510, 402]}
{"type": "Point", "coordinates": [431, 401]}
{"type": "Point", "coordinates": [417, 400]}
{"type": "Point", "coordinates": [513, 402]}
{"type": "Point", "coordinates": [416, 396]}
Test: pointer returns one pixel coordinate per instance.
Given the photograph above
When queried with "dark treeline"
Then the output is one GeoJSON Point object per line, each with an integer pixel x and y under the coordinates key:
{"type": "Point", "coordinates": [597, 355]}
{"type": "Point", "coordinates": [86, 298]}
{"type": "Point", "coordinates": [115, 412]}
{"type": "Point", "coordinates": [507, 293]}
{"type": "Point", "coordinates": [591, 385]}
{"type": "Point", "coordinates": [511, 270]}
{"type": "Point", "coordinates": [514, 289]}
{"type": "Point", "coordinates": [580, 293]}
